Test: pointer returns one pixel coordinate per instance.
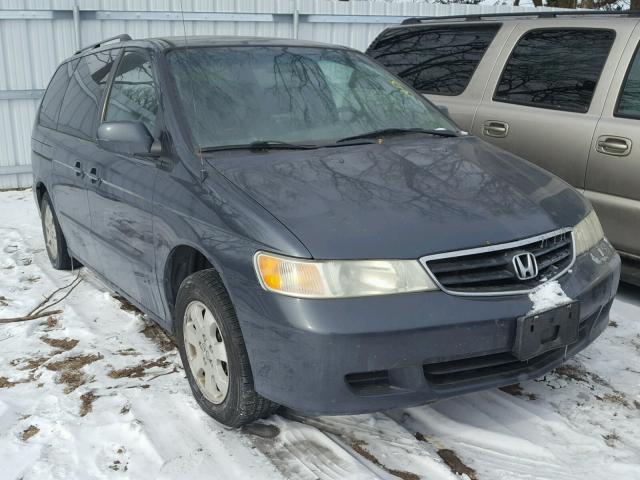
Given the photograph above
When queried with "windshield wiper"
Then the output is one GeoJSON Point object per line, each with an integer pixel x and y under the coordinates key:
{"type": "Point", "coordinates": [261, 145]}
{"type": "Point", "coordinates": [398, 131]}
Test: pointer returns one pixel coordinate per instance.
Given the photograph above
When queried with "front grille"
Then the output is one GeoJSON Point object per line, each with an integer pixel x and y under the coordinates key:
{"type": "Point", "coordinates": [490, 270]}
{"type": "Point", "coordinates": [483, 368]}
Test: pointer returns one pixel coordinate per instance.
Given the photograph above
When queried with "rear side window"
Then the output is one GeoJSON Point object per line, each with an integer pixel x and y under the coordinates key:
{"type": "Point", "coordinates": [79, 112]}
{"type": "Point", "coordinates": [133, 96]}
{"type": "Point", "coordinates": [438, 59]}
{"type": "Point", "coordinates": [629, 103]}
{"type": "Point", "coordinates": [52, 99]}
{"type": "Point", "coordinates": [555, 68]}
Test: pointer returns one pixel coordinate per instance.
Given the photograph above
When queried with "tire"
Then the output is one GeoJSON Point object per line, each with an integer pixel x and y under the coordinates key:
{"type": "Point", "coordinates": [55, 243]}
{"type": "Point", "coordinates": [199, 337]}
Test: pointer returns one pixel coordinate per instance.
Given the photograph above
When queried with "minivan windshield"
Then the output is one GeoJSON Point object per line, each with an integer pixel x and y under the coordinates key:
{"type": "Point", "coordinates": [242, 95]}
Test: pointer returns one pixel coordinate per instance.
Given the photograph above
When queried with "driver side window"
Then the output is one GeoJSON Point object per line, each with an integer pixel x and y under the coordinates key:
{"type": "Point", "coordinates": [133, 96]}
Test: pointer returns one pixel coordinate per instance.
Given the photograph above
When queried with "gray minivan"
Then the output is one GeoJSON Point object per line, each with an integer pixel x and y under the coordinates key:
{"type": "Point", "coordinates": [313, 231]}
{"type": "Point", "coordinates": [560, 89]}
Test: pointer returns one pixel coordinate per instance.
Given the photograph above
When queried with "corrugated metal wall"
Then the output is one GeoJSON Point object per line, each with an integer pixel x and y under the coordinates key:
{"type": "Point", "coordinates": [35, 35]}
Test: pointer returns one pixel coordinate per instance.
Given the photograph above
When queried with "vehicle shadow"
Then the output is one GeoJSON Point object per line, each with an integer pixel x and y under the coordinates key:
{"type": "Point", "coordinates": [629, 293]}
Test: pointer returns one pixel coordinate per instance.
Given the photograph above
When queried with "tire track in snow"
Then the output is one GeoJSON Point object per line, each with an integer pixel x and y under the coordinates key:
{"type": "Point", "coordinates": [500, 438]}
{"type": "Point", "coordinates": [303, 452]}
{"type": "Point", "coordinates": [358, 446]}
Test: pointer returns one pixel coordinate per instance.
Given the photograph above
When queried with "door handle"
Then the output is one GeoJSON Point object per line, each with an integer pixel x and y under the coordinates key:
{"type": "Point", "coordinates": [77, 168]}
{"type": "Point", "coordinates": [93, 176]}
{"type": "Point", "coordinates": [494, 128]}
{"type": "Point", "coordinates": [617, 146]}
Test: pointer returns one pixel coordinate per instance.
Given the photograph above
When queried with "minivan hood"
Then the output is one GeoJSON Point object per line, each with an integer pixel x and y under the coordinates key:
{"type": "Point", "coordinates": [409, 197]}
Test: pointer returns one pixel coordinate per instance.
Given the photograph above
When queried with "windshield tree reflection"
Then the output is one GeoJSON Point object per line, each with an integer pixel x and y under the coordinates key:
{"type": "Point", "coordinates": [240, 95]}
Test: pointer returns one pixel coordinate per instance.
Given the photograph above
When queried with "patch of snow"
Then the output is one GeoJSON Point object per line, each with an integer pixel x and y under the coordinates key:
{"type": "Point", "coordinates": [580, 423]}
{"type": "Point", "coordinates": [547, 296]}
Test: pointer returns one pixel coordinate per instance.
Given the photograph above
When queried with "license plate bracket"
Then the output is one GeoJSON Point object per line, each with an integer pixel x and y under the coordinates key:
{"type": "Point", "coordinates": [547, 330]}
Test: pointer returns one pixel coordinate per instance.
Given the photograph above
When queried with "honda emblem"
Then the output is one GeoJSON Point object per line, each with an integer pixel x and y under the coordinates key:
{"type": "Point", "coordinates": [525, 266]}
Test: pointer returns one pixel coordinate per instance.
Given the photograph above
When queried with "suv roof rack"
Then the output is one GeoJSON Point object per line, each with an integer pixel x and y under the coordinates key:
{"type": "Point", "coordinates": [122, 37]}
{"type": "Point", "coordinates": [543, 14]}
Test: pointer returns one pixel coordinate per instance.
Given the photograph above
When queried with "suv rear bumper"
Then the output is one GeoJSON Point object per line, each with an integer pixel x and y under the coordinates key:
{"type": "Point", "coordinates": [359, 355]}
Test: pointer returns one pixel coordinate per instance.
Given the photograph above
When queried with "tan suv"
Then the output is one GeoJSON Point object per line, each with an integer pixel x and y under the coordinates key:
{"type": "Point", "coordinates": [559, 89]}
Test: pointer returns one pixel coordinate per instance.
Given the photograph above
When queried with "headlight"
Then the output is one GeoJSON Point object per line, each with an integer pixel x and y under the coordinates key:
{"type": "Point", "coordinates": [587, 233]}
{"type": "Point", "coordinates": [340, 278]}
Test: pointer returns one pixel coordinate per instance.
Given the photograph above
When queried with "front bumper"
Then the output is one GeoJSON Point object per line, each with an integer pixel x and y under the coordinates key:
{"type": "Point", "coordinates": [348, 356]}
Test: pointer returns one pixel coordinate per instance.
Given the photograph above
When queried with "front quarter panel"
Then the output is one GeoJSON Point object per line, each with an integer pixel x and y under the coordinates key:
{"type": "Point", "coordinates": [214, 217]}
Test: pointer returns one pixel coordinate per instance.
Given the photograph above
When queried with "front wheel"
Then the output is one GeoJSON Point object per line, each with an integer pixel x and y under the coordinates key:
{"type": "Point", "coordinates": [213, 352]}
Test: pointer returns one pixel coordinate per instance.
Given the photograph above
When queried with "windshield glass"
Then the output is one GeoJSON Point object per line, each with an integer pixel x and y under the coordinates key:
{"type": "Point", "coordinates": [240, 95]}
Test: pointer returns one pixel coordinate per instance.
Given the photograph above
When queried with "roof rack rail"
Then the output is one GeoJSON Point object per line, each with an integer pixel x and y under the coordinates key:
{"type": "Point", "coordinates": [123, 37]}
{"type": "Point", "coordinates": [543, 14]}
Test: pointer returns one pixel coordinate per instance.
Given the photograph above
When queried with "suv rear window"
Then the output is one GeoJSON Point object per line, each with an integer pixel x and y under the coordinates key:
{"type": "Point", "coordinates": [437, 59]}
{"type": "Point", "coordinates": [629, 103]}
{"type": "Point", "coordinates": [555, 68]}
{"type": "Point", "coordinates": [52, 99]}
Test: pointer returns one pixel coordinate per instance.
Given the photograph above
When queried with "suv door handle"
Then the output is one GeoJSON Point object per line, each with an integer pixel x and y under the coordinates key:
{"type": "Point", "coordinates": [610, 145]}
{"type": "Point", "coordinates": [494, 128]}
{"type": "Point", "coordinates": [77, 168]}
{"type": "Point", "coordinates": [93, 176]}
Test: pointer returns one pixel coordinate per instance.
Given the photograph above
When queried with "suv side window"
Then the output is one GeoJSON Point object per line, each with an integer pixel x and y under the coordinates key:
{"type": "Point", "coordinates": [555, 68]}
{"type": "Point", "coordinates": [81, 104]}
{"type": "Point", "coordinates": [50, 106]}
{"type": "Point", "coordinates": [133, 96]}
{"type": "Point", "coordinates": [629, 102]}
{"type": "Point", "coordinates": [438, 59]}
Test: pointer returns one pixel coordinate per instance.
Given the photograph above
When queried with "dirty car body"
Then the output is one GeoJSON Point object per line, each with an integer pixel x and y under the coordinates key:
{"type": "Point", "coordinates": [434, 220]}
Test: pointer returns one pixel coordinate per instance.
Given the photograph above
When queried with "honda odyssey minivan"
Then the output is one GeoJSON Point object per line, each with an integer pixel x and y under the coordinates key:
{"type": "Point", "coordinates": [313, 231]}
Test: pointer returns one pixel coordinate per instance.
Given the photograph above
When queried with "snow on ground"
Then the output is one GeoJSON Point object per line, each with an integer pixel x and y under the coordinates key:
{"type": "Point", "coordinates": [97, 392]}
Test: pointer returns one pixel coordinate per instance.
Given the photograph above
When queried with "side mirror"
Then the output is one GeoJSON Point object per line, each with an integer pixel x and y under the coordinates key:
{"type": "Point", "coordinates": [444, 109]}
{"type": "Point", "coordinates": [125, 138]}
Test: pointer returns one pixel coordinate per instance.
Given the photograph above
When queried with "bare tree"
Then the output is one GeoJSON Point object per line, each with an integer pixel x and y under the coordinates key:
{"type": "Point", "coordinates": [606, 5]}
